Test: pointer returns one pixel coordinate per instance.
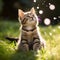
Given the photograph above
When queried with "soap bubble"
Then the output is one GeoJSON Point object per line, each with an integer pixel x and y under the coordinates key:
{"type": "Point", "coordinates": [47, 21]}
{"type": "Point", "coordinates": [51, 6]}
{"type": "Point", "coordinates": [40, 11]}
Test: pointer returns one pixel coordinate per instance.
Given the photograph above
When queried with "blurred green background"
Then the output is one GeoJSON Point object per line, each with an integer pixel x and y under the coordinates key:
{"type": "Point", "coordinates": [9, 8]}
{"type": "Point", "coordinates": [9, 26]}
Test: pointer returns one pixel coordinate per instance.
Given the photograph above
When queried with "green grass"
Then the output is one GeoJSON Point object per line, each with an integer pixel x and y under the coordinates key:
{"type": "Point", "coordinates": [51, 34]}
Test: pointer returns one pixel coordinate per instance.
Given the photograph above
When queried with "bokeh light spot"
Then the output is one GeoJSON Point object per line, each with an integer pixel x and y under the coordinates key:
{"type": "Point", "coordinates": [40, 11]}
{"type": "Point", "coordinates": [47, 21]}
{"type": "Point", "coordinates": [51, 7]}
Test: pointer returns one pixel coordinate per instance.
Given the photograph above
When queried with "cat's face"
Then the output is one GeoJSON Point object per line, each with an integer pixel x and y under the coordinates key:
{"type": "Point", "coordinates": [28, 18]}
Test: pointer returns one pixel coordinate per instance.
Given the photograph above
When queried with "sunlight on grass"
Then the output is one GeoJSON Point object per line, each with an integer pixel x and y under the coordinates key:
{"type": "Point", "coordinates": [6, 50]}
{"type": "Point", "coordinates": [51, 34]}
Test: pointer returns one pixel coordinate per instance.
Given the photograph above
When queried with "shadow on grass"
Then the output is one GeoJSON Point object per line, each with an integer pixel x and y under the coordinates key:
{"type": "Point", "coordinates": [5, 51]}
{"type": "Point", "coordinates": [24, 56]}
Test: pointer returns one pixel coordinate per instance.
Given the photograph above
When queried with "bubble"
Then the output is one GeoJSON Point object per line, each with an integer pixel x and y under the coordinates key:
{"type": "Point", "coordinates": [40, 11]}
{"type": "Point", "coordinates": [52, 7]}
{"type": "Point", "coordinates": [37, 7]}
{"type": "Point", "coordinates": [47, 21]}
{"type": "Point", "coordinates": [49, 3]}
{"type": "Point", "coordinates": [34, 0]}
{"type": "Point", "coordinates": [54, 18]}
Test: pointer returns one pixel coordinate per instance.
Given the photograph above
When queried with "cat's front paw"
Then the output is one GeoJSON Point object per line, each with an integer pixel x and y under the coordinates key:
{"type": "Point", "coordinates": [36, 46]}
{"type": "Point", "coordinates": [25, 47]}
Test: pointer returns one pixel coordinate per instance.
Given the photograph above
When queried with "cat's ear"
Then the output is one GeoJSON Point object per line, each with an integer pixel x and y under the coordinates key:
{"type": "Point", "coordinates": [32, 10]}
{"type": "Point", "coordinates": [20, 13]}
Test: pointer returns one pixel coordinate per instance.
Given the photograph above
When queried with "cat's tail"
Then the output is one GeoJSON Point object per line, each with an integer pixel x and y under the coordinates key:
{"type": "Point", "coordinates": [12, 38]}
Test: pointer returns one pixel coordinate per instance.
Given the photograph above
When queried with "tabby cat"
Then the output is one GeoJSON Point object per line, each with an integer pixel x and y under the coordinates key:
{"type": "Point", "coordinates": [29, 39]}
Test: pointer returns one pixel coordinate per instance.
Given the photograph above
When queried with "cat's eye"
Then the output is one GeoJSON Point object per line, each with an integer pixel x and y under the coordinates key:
{"type": "Point", "coordinates": [24, 20]}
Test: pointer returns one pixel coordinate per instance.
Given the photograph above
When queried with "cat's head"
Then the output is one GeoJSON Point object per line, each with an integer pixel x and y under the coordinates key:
{"type": "Point", "coordinates": [27, 18]}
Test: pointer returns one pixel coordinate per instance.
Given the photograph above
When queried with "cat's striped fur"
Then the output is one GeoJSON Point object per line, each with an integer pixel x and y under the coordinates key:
{"type": "Point", "coordinates": [29, 38]}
